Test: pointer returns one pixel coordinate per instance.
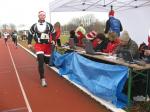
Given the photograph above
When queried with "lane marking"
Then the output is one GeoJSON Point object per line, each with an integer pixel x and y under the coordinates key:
{"type": "Point", "coordinates": [15, 109]}
{"type": "Point", "coordinates": [20, 84]}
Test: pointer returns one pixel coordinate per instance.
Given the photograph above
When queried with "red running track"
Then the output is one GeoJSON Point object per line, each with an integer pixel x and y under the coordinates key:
{"type": "Point", "coordinates": [20, 89]}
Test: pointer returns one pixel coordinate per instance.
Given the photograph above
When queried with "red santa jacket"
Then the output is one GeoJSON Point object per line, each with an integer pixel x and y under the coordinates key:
{"type": "Point", "coordinates": [112, 46]}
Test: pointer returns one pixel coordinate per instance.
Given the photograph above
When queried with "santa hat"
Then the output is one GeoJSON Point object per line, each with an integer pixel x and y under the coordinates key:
{"type": "Point", "coordinates": [41, 12]}
{"type": "Point", "coordinates": [111, 13]}
{"type": "Point", "coordinates": [91, 35]}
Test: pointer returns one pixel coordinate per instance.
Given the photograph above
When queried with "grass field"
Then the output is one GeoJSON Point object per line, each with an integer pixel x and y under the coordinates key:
{"type": "Point", "coordinates": [64, 38]}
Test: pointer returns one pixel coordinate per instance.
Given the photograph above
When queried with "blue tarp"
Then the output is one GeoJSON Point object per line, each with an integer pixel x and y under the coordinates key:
{"type": "Point", "coordinates": [103, 80]}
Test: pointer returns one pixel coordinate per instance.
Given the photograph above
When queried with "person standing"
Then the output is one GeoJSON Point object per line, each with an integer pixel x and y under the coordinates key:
{"type": "Point", "coordinates": [113, 24]}
{"type": "Point", "coordinates": [14, 37]}
{"type": "Point", "coordinates": [57, 28]}
{"type": "Point", "coordinates": [41, 32]}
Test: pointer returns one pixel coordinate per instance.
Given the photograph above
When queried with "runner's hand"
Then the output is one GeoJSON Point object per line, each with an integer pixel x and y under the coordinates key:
{"type": "Point", "coordinates": [53, 42]}
{"type": "Point", "coordinates": [29, 46]}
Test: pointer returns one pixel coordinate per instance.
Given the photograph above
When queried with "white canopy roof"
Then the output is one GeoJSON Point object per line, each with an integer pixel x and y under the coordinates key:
{"type": "Point", "coordinates": [134, 14]}
{"type": "Point", "coordinates": [95, 5]}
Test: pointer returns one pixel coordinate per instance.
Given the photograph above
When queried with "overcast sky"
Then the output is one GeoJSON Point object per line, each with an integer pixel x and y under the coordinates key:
{"type": "Point", "coordinates": [26, 11]}
{"type": "Point", "coordinates": [21, 11]}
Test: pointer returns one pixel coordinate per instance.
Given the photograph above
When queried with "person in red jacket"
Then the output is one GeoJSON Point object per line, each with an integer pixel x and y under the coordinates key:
{"type": "Point", "coordinates": [57, 28]}
{"type": "Point", "coordinates": [114, 42]}
{"type": "Point", "coordinates": [80, 33]}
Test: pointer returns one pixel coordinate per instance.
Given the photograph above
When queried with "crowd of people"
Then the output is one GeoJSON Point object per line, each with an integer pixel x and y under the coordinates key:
{"type": "Point", "coordinates": [13, 35]}
{"type": "Point", "coordinates": [113, 40]}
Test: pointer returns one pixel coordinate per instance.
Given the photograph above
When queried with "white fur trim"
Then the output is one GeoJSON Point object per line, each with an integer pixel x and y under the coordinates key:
{"type": "Point", "coordinates": [40, 52]}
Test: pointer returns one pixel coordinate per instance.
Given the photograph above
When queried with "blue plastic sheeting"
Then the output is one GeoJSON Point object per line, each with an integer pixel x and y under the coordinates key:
{"type": "Point", "coordinates": [103, 80]}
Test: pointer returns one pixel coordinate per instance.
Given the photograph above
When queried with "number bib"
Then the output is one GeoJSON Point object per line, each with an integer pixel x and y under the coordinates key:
{"type": "Point", "coordinates": [44, 38]}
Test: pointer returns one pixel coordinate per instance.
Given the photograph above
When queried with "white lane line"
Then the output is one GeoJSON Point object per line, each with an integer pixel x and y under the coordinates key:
{"type": "Point", "coordinates": [15, 109]}
{"type": "Point", "coordinates": [20, 84]}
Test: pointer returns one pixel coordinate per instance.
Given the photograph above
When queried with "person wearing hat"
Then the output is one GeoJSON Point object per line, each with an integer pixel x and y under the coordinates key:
{"type": "Point", "coordinates": [41, 32]}
{"type": "Point", "coordinates": [80, 33]}
{"type": "Point", "coordinates": [126, 43]}
{"type": "Point", "coordinates": [113, 24]}
{"type": "Point", "coordinates": [92, 37]}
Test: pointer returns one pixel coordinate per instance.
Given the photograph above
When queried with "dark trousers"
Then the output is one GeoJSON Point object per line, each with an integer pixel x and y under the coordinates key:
{"type": "Point", "coordinates": [15, 41]}
{"type": "Point", "coordinates": [41, 60]}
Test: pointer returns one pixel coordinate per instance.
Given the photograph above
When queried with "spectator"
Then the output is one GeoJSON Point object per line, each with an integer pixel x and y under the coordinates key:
{"type": "Point", "coordinates": [72, 35]}
{"type": "Point", "coordinates": [127, 43]}
{"type": "Point", "coordinates": [113, 24]}
{"type": "Point", "coordinates": [114, 41]}
{"type": "Point", "coordinates": [57, 34]}
{"type": "Point", "coordinates": [92, 37]}
{"type": "Point", "coordinates": [102, 42]}
{"type": "Point", "coordinates": [147, 53]}
{"type": "Point", "coordinates": [80, 32]}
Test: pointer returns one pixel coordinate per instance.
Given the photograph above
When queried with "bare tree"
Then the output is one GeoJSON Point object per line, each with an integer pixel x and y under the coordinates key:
{"type": "Point", "coordinates": [89, 21]}
{"type": "Point", "coordinates": [12, 27]}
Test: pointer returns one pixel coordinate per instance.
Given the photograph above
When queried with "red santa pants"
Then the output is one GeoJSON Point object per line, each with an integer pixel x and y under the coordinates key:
{"type": "Point", "coordinates": [43, 49]}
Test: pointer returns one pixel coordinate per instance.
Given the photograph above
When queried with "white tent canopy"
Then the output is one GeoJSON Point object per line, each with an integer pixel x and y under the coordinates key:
{"type": "Point", "coordinates": [96, 5]}
{"type": "Point", "coordinates": [134, 14]}
{"type": "Point", "coordinates": [136, 22]}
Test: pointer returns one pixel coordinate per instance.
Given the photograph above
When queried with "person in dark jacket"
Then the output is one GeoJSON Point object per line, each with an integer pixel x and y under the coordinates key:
{"type": "Point", "coordinates": [73, 35]}
{"type": "Point", "coordinates": [113, 24]}
{"type": "Point", "coordinates": [14, 37]}
{"type": "Point", "coordinates": [126, 43]}
{"type": "Point", "coordinates": [102, 42]}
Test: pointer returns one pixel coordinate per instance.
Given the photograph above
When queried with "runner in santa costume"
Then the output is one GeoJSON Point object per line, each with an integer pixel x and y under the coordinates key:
{"type": "Point", "coordinates": [41, 32]}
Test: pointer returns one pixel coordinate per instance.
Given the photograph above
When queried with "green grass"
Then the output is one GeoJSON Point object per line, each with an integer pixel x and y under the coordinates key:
{"type": "Point", "coordinates": [64, 38]}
